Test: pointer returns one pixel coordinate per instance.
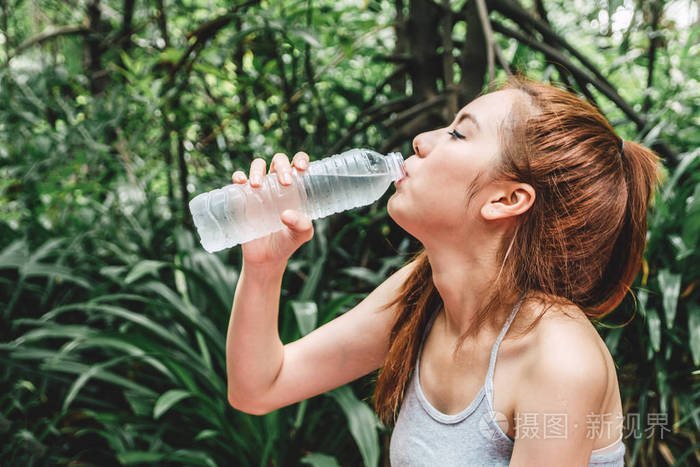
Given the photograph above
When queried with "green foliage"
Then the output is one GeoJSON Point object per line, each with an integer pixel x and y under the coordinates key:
{"type": "Point", "coordinates": [139, 362]}
{"type": "Point", "coordinates": [113, 317]}
{"type": "Point", "coordinates": [657, 351]}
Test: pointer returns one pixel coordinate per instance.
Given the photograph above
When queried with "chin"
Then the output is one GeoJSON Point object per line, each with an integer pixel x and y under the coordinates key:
{"type": "Point", "coordinates": [399, 216]}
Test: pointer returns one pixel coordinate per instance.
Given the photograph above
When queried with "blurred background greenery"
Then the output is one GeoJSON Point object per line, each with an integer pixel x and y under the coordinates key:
{"type": "Point", "coordinates": [115, 113]}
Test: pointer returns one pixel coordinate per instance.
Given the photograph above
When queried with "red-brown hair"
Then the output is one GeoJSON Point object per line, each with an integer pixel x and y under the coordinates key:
{"type": "Point", "coordinates": [580, 243]}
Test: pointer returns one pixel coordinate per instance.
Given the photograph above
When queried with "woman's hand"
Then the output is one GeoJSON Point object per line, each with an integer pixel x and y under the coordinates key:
{"type": "Point", "coordinates": [277, 247]}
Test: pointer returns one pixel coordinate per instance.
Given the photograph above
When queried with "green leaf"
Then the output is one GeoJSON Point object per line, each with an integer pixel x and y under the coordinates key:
{"type": "Point", "coordinates": [691, 221]}
{"type": "Point", "coordinates": [654, 323]}
{"type": "Point", "coordinates": [362, 422]}
{"type": "Point", "coordinates": [171, 55]}
{"type": "Point", "coordinates": [612, 339]}
{"type": "Point", "coordinates": [694, 331]}
{"type": "Point", "coordinates": [192, 457]}
{"type": "Point", "coordinates": [206, 434]}
{"type": "Point", "coordinates": [93, 371]}
{"type": "Point", "coordinates": [682, 250]}
{"type": "Point", "coordinates": [53, 271]}
{"type": "Point", "coordinates": [364, 274]}
{"type": "Point", "coordinates": [642, 299]}
{"type": "Point", "coordinates": [142, 268]}
{"type": "Point", "coordinates": [14, 255]}
{"type": "Point", "coordinates": [167, 400]}
{"type": "Point", "coordinates": [140, 404]}
{"type": "Point", "coordinates": [306, 314]}
{"type": "Point", "coordinates": [138, 457]}
{"type": "Point", "coordinates": [670, 285]}
{"type": "Point", "coordinates": [307, 36]}
{"type": "Point", "coordinates": [316, 459]}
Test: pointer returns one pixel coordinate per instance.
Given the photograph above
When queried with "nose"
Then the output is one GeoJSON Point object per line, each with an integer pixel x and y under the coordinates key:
{"type": "Point", "coordinates": [419, 145]}
{"type": "Point", "coordinates": [424, 142]}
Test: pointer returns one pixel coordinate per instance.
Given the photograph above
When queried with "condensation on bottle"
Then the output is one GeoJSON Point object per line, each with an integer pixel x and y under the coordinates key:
{"type": "Point", "coordinates": [237, 213]}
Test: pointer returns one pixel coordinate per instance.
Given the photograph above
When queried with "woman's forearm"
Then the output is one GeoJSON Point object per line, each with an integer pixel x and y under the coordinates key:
{"type": "Point", "coordinates": [254, 350]}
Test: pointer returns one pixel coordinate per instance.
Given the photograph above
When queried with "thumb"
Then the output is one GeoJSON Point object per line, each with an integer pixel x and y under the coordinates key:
{"type": "Point", "coordinates": [299, 224]}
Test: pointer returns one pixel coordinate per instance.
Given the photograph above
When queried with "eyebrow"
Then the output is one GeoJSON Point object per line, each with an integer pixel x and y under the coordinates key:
{"type": "Point", "coordinates": [467, 115]}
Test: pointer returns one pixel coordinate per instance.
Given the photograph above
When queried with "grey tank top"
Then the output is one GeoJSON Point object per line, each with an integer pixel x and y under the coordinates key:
{"type": "Point", "coordinates": [424, 436]}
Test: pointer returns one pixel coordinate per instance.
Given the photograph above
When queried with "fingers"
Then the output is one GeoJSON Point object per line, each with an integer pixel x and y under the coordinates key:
{"type": "Point", "coordinates": [279, 164]}
{"type": "Point", "coordinates": [239, 177]}
{"type": "Point", "coordinates": [300, 160]}
{"type": "Point", "coordinates": [257, 171]}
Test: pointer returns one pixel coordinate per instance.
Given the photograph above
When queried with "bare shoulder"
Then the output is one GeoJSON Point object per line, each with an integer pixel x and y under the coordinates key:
{"type": "Point", "coordinates": [568, 355]}
{"type": "Point", "coordinates": [567, 377]}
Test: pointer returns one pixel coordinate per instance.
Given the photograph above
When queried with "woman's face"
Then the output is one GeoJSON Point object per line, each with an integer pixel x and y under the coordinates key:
{"type": "Point", "coordinates": [433, 199]}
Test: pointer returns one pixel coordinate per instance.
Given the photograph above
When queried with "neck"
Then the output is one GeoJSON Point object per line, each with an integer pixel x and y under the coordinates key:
{"type": "Point", "coordinates": [463, 278]}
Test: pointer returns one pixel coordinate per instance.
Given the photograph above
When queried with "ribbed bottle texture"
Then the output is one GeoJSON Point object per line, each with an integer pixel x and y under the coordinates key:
{"type": "Point", "coordinates": [239, 213]}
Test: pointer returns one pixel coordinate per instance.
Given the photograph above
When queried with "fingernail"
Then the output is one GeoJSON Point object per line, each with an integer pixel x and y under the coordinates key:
{"type": "Point", "coordinates": [303, 164]}
{"type": "Point", "coordinates": [255, 180]}
{"type": "Point", "coordinates": [287, 177]}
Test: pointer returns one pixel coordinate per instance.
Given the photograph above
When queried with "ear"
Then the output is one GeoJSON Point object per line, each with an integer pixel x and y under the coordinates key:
{"type": "Point", "coordinates": [508, 200]}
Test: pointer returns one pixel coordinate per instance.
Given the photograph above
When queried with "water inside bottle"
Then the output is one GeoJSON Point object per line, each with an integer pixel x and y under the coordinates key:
{"type": "Point", "coordinates": [336, 193]}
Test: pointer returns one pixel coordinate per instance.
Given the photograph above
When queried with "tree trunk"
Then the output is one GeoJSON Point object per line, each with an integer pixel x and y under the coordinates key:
{"type": "Point", "coordinates": [163, 22]}
{"type": "Point", "coordinates": [429, 106]}
{"type": "Point", "coordinates": [448, 60]}
{"type": "Point", "coordinates": [473, 58]}
{"type": "Point", "coordinates": [96, 75]}
{"type": "Point", "coordinates": [425, 64]}
{"type": "Point", "coordinates": [243, 151]}
{"type": "Point", "coordinates": [183, 172]}
{"type": "Point", "coordinates": [127, 24]}
{"type": "Point", "coordinates": [656, 12]}
{"type": "Point", "coordinates": [3, 27]}
{"type": "Point", "coordinates": [398, 82]}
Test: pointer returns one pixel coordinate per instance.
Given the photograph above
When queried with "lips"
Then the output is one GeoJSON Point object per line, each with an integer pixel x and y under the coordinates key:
{"type": "Point", "coordinates": [405, 174]}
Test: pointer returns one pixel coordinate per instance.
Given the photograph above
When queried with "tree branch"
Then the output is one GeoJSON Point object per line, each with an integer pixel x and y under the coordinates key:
{"type": "Point", "coordinates": [447, 58]}
{"type": "Point", "coordinates": [554, 54]}
{"type": "Point", "coordinates": [49, 33]}
{"type": "Point", "coordinates": [420, 107]}
{"type": "Point", "coordinates": [521, 16]}
{"type": "Point", "coordinates": [375, 113]}
{"type": "Point", "coordinates": [563, 72]}
{"type": "Point", "coordinates": [488, 36]}
{"type": "Point", "coordinates": [412, 121]}
{"type": "Point", "coordinates": [206, 31]}
{"type": "Point", "coordinates": [656, 12]}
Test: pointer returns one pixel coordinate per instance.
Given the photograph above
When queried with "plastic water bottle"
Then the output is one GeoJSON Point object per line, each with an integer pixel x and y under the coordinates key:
{"type": "Point", "coordinates": [238, 213]}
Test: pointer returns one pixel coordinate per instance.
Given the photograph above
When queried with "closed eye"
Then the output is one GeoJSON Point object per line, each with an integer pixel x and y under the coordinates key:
{"type": "Point", "coordinates": [456, 134]}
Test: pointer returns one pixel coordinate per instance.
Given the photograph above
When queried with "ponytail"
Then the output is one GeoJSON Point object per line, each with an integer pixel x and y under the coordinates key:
{"type": "Point", "coordinates": [642, 174]}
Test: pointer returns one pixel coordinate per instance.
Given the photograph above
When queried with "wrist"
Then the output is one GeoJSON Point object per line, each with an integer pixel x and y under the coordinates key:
{"type": "Point", "coordinates": [264, 270]}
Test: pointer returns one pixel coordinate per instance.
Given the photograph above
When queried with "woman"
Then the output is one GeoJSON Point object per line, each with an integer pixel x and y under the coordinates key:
{"type": "Point", "coordinates": [532, 215]}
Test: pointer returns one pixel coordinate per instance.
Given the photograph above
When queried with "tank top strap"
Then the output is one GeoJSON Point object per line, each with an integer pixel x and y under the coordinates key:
{"type": "Point", "coordinates": [494, 350]}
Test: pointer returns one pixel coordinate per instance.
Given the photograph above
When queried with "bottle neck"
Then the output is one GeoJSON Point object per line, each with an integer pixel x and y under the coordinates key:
{"type": "Point", "coordinates": [396, 166]}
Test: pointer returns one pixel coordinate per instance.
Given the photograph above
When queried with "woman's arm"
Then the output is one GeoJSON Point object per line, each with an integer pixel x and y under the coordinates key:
{"type": "Point", "coordinates": [254, 351]}
{"type": "Point", "coordinates": [264, 375]}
